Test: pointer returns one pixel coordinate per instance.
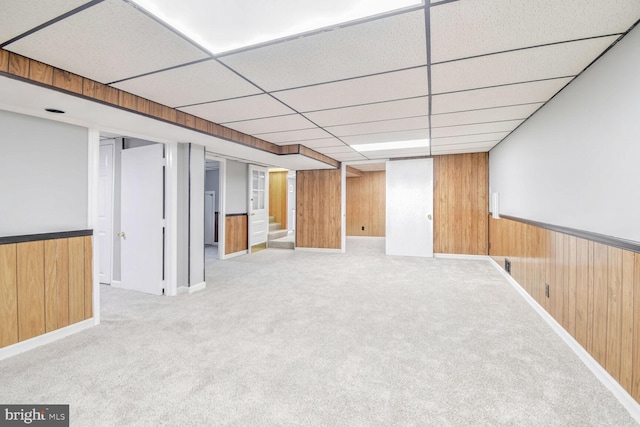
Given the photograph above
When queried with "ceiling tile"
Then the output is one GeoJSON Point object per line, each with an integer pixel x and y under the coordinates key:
{"type": "Point", "coordinates": [390, 154]}
{"type": "Point", "coordinates": [483, 128]}
{"type": "Point", "coordinates": [485, 115]}
{"type": "Point", "coordinates": [245, 108]}
{"type": "Point", "coordinates": [464, 148]}
{"type": "Point", "coordinates": [345, 157]}
{"type": "Point", "coordinates": [387, 137]}
{"type": "Point", "coordinates": [107, 42]}
{"type": "Point", "coordinates": [376, 46]}
{"type": "Point", "coordinates": [485, 137]}
{"type": "Point", "coordinates": [272, 124]}
{"type": "Point", "coordinates": [335, 150]}
{"type": "Point", "coordinates": [383, 87]}
{"type": "Point", "coordinates": [202, 82]}
{"type": "Point", "coordinates": [560, 60]}
{"type": "Point", "coordinates": [498, 96]}
{"type": "Point", "coordinates": [495, 26]}
{"type": "Point", "coordinates": [366, 113]}
{"type": "Point", "coordinates": [20, 16]}
{"type": "Point", "coordinates": [297, 135]}
{"type": "Point", "coordinates": [380, 126]}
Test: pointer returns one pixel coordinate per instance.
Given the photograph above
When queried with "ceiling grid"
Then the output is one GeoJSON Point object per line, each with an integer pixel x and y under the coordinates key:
{"type": "Point", "coordinates": [461, 74]}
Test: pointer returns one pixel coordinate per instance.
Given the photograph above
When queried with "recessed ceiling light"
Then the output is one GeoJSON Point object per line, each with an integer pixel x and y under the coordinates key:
{"type": "Point", "coordinates": [54, 110]}
{"type": "Point", "coordinates": [393, 145]}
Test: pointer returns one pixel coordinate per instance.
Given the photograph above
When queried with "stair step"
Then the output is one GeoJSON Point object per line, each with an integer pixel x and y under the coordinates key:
{"type": "Point", "coordinates": [274, 226]}
{"type": "Point", "coordinates": [277, 234]}
{"type": "Point", "coordinates": [278, 244]}
{"type": "Point", "coordinates": [272, 219]}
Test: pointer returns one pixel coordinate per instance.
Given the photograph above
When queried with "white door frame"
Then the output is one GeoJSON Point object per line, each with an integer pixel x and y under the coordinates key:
{"type": "Point", "coordinates": [250, 213]}
{"type": "Point", "coordinates": [111, 144]}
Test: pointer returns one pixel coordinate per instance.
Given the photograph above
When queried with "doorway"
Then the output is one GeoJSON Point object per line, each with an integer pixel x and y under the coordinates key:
{"type": "Point", "coordinates": [212, 210]}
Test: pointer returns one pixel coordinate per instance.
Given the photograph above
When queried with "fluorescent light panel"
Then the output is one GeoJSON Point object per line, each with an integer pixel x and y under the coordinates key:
{"type": "Point", "coordinates": [393, 145]}
{"type": "Point", "coordinates": [224, 25]}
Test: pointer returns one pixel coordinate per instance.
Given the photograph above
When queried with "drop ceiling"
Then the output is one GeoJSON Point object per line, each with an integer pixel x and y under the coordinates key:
{"type": "Point", "coordinates": [462, 73]}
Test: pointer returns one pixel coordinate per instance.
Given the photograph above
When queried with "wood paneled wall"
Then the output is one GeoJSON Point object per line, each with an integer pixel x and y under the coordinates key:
{"type": "Point", "coordinates": [318, 209]}
{"type": "Point", "coordinates": [44, 285]}
{"type": "Point", "coordinates": [236, 234]}
{"type": "Point", "coordinates": [594, 290]}
{"type": "Point", "coordinates": [17, 66]}
{"type": "Point", "coordinates": [278, 190]}
{"type": "Point", "coordinates": [461, 204]}
{"type": "Point", "coordinates": [366, 204]}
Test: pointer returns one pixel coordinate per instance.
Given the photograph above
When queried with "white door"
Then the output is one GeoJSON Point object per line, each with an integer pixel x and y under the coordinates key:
{"type": "Point", "coordinates": [258, 205]}
{"type": "Point", "coordinates": [105, 212]}
{"type": "Point", "coordinates": [209, 217]}
{"type": "Point", "coordinates": [142, 219]}
{"type": "Point", "coordinates": [409, 205]}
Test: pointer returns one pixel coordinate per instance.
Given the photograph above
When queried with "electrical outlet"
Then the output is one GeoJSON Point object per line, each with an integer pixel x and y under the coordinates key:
{"type": "Point", "coordinates": [507, 266]}
{"type": "Point", "coordinates": [546, 290]}
{"type": "Point", "coordinates": [363, 228]}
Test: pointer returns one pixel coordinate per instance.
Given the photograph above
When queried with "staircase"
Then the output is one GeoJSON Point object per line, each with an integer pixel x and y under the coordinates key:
{"type": "Point", "coordinates": [278, 238]}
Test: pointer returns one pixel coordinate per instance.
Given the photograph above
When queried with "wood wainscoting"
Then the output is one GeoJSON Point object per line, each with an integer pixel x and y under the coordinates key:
{"type": "Point", "coordinates": [44, 285]}
{"type": "Point", "coordinates": [461, 204]}
{"type": "Point", "coordinates": [593, 290]}
{"type": "Point", "coordinates": [278, 190]}
{"type": "Point", "coordinates": [366, 204]}
{"type": "Point", "coordinates": [236, 233]}
{"type": "Point", "coordinates": [318, 209]}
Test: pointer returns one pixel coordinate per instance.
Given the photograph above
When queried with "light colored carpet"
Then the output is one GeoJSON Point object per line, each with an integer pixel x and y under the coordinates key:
{"type": "Point", "coordinates": [297, 338]}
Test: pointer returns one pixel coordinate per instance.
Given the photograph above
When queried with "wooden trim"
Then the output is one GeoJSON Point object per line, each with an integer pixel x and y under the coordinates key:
{"type": "Point", "coordinates": [45, 236]}
{"type": "Point", "coordinates": [353, 172]}
{"type": "Point", "coordinates": [8, 296]}
{"type": "Point", "coordinates": [235, 214]}
{"type": "Point", "coordinates": [616, 242]}
{"type": "Point", "coordinates": [19, 67]}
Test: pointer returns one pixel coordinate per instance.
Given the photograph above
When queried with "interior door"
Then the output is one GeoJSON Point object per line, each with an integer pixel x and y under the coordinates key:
{"type": "Point", "coordinates": [209, 217]}
{"type": "Point", "coordinates": [258, 223]}
{"type": "Point", "coordinates": [105, 213]}
{"type": "Point", "coordinates": [142, 218]}
{"type": "Point", "coordinates": [409, 225]}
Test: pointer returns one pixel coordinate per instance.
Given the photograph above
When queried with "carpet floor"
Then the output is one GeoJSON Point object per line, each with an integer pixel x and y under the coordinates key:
{"type": "Point", "coordinates": [288, 338]}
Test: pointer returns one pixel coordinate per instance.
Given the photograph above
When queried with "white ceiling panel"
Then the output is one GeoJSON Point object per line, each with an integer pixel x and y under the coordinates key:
{"type": "Point", "coordinates": [375, 46]}
{"type": "Point", "coordinates": [468, 28]}
{"type": "Point", "coordinates": [482, 128]}
{"type": "Point", "coordinates": [246, 108]}
{"type": "Point", "coordinates": [460, 149]}
{"type": "Point", "coordinates": [366, 113]}
{"type": "Point", "coordinates": [465, 139]}
{"type": "Point", "coordinates": [202, 82]}
{"type": "Point", "coordinates": [20, 16]}
{"type": "Point", "coordinates": [345, 157]}
{"type": "Point", "coordinates": [324, 142]}
{"type": "Point", "coordinates": [272, 124]}
{"type": "Point", "coordinates": [108, 42]}
{"type": "Point", "coordinates": [484, 116]}
{"type": "Point", "coordinates": [565, 59]}
{"type": "Point", "coordinates": [380, 126]}
{"type": "Point", "coordinates": [335, 150]}
{"type": "Point", "coordinates": [390, 154]}
{"type": "Point", "coordinates": [497, 96]}
{"type": "Point", "coordinates": [387, 137]}
{"type": "Point", "coordinates": [382, 87]}
{"type": "Point", "coordinates": [298, 136]}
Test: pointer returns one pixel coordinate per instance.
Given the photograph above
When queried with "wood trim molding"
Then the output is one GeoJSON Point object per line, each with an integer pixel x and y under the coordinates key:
{"type": "Point", "coordinates": [616, 242]}
{"type": "Point", "coordinates": [44, 236]}
{"type": "Point", "coordinates": [28, 70]}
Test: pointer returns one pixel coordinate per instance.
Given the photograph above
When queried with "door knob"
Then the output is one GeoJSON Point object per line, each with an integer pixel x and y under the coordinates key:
{"type": "Point", "coordinates": [121, 234]}
{"type": "Point", "coordinates": [429, 216]}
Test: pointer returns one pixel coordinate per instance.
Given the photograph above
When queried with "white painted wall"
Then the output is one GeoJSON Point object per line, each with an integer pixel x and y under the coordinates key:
{"type": "Point", "coordinates": [237, 185]}
{"type": "Point", "coordinates": [575, 163]}
{"type": "Point", "coordinates": [43, 175]}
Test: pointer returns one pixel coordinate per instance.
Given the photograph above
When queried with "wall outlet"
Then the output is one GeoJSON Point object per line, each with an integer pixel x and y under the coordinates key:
{"type": "Point", "coordinates": [546, 290]}
{"type": "Point", "coordinates": [507, 266]}
{"type": "Point", "coordinates": [363, 228]}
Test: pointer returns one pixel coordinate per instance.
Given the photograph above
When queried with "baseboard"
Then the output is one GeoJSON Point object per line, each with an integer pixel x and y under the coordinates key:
{"type": "Point", "coordinates": [235, 254]}
{"type": "Point", "coordinates": [116, 283]}
{"type": "Point", "coordinates": [365, 238]}
{"type": "Point", "coordinates": [191, 289]}
{"type": "Point", "coordinates": [605, 378]}
{"type": "Point", "coordinates": [462, 256]}
{"type": "Point", "coordinates": [321, 250]}
{"type": "Point", "coordinates": [35, 342]}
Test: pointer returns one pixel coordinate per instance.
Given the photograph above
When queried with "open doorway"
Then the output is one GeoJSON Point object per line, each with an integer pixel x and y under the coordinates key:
{"type": "Point", "coordinates": [212, 210]}
{"type": "Point", "coordinates": [282, 209]}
